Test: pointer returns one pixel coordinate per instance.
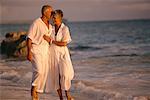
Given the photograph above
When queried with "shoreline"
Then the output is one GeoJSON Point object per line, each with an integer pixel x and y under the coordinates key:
{"type": "Point", "coordinates": [101, 83]}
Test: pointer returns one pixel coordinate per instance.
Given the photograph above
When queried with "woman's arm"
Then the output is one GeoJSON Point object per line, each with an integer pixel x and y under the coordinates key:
{"type": "Point", "coordinates": [59, 43]}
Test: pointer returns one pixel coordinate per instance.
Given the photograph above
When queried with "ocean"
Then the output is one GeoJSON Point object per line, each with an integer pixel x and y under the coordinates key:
{"type": "Point", "coordinates": [111, 61]}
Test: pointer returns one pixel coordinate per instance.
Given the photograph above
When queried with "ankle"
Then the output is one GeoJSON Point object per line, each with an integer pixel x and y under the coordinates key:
{"type": "Point", "coordinates": [33, 90]}
{"type": "Point", "coordinates": [59, 91]}
{"type": "Point", "coordinates": [67, 93]}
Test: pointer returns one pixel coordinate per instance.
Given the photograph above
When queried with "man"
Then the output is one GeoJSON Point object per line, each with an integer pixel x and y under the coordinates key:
{"type": "Point", "coordinates": [38, 50]}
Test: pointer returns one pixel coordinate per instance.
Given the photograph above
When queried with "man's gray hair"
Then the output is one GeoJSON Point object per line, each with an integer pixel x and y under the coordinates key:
{"type": "Point", "coordinates": [44, 8]}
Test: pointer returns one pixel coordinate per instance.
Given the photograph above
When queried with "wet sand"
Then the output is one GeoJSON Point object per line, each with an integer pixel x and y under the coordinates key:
{"type": "Point", "coordinates": [103, 78]}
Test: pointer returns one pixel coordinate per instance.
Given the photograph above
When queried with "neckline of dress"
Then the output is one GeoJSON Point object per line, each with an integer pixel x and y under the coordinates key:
{"type": "Point", "coordinates": [57, 30]}
{"type": "Point", "coordinates": [62, 24]}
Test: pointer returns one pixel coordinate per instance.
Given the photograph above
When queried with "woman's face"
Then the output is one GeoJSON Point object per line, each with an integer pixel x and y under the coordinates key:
{"type": "Point", "coordinates": [57, 19]}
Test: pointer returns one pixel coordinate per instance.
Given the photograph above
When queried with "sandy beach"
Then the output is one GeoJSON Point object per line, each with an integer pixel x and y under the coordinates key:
{"type": "Point", "coordinates": [94, 79]}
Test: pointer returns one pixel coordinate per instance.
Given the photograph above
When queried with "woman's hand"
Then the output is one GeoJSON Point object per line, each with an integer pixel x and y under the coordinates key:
{"type": "Point", "coordinates": [47, 38]}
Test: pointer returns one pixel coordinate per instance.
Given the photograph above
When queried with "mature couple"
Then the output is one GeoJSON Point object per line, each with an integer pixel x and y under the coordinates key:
{"type": "Point", "coordinates": [49, 55]}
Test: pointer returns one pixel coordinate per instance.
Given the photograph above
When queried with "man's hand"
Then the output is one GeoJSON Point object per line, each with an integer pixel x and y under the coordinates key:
{"type": "Point", "coordinates": [47, 38]}
{"type": "Point", "coordinates": [29, 56]}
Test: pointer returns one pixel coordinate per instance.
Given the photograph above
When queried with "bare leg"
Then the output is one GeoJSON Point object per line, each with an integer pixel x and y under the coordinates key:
{"type": "Point", "coordinates": [59, 91]}
{"type": "Point", "coordinates": [68, 95]}
{"type": "Point", "coordinates": [34, 93]}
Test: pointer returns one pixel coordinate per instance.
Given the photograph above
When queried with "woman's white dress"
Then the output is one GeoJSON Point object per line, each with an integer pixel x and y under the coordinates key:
{"type": "Point", "coordinates": [60, 61]}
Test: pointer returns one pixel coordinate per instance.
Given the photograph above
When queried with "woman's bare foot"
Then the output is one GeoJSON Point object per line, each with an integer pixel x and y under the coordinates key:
{"type": "Point", "coordinates": [34, 93]}
{"type": "Point", "coordinates": [68, 95]}
{"type": "Point", "coordinates": [59, 91]}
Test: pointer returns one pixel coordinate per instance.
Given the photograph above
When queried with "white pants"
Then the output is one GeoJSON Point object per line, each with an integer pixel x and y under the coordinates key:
{"type": "Point", "coordinates": [40, 70]}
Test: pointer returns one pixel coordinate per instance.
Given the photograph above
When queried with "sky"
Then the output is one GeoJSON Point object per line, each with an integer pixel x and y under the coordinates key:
{"type": "Point", "coordinates": [15, 11]}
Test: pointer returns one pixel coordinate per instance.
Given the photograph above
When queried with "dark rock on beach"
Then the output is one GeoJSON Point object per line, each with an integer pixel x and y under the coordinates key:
{"type": "Point", "coordinates": [14, 44]}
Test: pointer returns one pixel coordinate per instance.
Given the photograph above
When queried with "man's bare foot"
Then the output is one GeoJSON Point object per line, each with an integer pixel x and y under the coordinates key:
{"type": "Point", "coordinates": [68, 95]}
{"type": "Point", "coordinates": [34, 93]}
{"type": "Point", "coordinates": [59, 91]}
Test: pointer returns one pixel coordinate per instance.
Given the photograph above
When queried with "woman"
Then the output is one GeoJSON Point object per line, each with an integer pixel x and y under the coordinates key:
{"type": "Point", "coordinates": [61, 69]}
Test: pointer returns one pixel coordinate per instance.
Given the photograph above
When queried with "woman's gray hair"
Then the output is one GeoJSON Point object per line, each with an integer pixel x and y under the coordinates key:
{"type": "Point", "coordinates": [58, 12]}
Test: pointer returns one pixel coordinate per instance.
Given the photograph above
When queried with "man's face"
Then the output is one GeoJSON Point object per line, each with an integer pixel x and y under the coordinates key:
{"type": "Point", "coordinates": [47, 13]}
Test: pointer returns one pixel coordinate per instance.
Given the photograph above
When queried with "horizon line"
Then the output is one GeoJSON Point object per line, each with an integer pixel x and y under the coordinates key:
{"type": "Point", "coordinates": [30, 21]}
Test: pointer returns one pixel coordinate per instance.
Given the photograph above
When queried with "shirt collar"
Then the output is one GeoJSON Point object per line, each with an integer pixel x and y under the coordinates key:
{"type": "Point", "coordinates": [44, 24]}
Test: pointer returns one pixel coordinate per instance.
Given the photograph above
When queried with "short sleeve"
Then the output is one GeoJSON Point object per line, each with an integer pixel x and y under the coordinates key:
{"type": "Point", "coordinates": [32, 31]}
{"type": "Point", "coordinates": [66, 35]}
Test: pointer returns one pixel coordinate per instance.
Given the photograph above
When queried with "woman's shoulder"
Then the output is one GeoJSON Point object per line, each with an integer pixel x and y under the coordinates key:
{"type": "Point", "coordinates": [65, 27]}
